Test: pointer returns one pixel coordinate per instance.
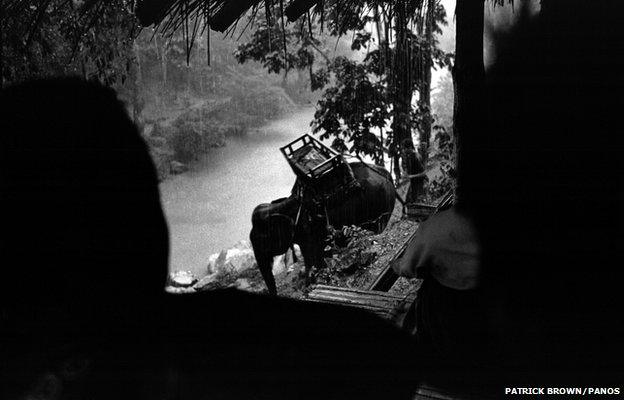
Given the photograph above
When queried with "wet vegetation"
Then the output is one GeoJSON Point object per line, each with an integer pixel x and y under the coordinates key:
{"type": "Point", "coordinates": [188, 94]}
{"type": "Point", "coordinates": [184, 106]}
{"type": "Point", "coordinates": [375, 100]}
{"type": "Point", "coordinates": [542, 196]}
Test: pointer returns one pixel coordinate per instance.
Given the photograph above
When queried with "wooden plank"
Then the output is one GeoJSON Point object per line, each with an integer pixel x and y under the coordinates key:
{"type": "Point", "coordinates": [429, 394]}
{"type": "Point", "coordinates": [390, 307]}
{"type": "Point", "coordinates": [388, 277]}
{"type": "Point", "coordinates": [321, 288]}
{"type": "Point", "coordinates": [419, 211]}
{"type": "Point", "coordinates": [376, 299]}
{"type": "Point", "coordinates": [354, 302]}
{"type": "Point", "coordinates": [385, 305]}
{"type": "Point", "coordinates": [426, 392]}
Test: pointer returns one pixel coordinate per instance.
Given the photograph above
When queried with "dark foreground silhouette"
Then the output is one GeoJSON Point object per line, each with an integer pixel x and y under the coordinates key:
{"type": "Point", "coordinates": [84, 259]}
{"type": "Point", "coordinates": [84, 254]}
{"type": "Point", "coordinates": [543, 183]}
{"type": "Point", "coordinates": [523, 279]}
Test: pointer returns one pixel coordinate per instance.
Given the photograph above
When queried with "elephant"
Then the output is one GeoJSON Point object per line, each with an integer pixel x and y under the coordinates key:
{"type": "Point", "coordinates": [301, 219]}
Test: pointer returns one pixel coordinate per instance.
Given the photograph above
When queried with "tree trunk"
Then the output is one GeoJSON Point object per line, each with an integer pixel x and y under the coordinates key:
{"type": "Point", "coordinates": [424, 100]}
{"type": "Point", "coordinates": [189, 75]}
{"type": "Point", "coordinates": [161, 52]}
{"type": "Point", "coordinates": [163, 63]}
{"type": "Point", "coordinates": [160, 55]}
{"type": "Point", "coordinates": [396, 166]}
{"type": "Point", "coordinates": [425, 28]}
{"type": "Point", "coordinates": [136, 96]}
{"type": "Point", "coordinates": [402, 83]}
{"type": "Point", "coordinates": [1, 47]}
{"type": "Point", "coordinates": [468, 80]}
{"type": "Point", "coordinates": [381, 162]}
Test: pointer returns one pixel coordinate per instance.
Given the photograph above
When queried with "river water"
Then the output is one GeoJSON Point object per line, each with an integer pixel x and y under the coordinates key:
{"type": "Point", "coordinates": [209, 207]}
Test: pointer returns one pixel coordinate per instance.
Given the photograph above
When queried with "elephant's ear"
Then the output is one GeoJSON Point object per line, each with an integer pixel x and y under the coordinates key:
{"type": "Point", "coordinates": [275, 236]}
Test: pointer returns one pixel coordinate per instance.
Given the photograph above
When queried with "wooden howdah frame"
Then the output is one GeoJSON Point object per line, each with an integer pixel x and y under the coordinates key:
{"type": "Point", "coordinates": [318, 166]}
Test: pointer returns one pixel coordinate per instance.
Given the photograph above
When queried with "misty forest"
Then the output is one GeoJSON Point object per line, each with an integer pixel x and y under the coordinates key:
{"type": "Point", "coordinates": [437, 166]}
{"type": "Point", "coordinates": [215, 107]}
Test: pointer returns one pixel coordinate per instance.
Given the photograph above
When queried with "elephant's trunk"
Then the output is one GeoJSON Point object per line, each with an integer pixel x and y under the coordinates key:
{"type": "Point", "coordinates": [264, 259]}
{"type": "Point", "coordinates": [265, 265]}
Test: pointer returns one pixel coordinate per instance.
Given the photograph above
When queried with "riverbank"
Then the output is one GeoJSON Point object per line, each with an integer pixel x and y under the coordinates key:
{"type": "Point", "coordinates": [355, 265]}
{"type": "Point", "coordinates": [181, 132]}
{"type": "Point", "coordinates": [208, 208]}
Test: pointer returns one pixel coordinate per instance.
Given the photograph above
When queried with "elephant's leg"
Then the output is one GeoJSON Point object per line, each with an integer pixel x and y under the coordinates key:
{"type": "Point", "coordinates": [265, 265]}
{"type": "Point", "coordinates": [313, 257]}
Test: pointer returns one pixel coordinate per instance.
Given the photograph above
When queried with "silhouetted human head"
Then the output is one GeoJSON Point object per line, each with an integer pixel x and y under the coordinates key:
{"type": "Point", "coordinates": [80, 204]}
{"type": "Point", "coordinates": [81, 194]}
{"type": "Point", "coordinates": [85, 247]}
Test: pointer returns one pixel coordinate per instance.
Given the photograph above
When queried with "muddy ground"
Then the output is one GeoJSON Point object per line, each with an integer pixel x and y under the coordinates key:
{"type": "Point", "coordinates": [354, 258]}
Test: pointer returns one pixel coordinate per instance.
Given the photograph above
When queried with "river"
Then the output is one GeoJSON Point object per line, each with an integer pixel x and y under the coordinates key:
{"type": "Point", "coordinates": [209, 207]}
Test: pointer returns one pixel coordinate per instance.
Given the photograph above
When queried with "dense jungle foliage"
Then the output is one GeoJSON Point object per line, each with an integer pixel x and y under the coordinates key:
{"type": "Point", "coordinates": [187, 97]}
{"type": "Point", "coordinates": [183, 109]}
{"type": "Point", "coordinates": [376, 98]}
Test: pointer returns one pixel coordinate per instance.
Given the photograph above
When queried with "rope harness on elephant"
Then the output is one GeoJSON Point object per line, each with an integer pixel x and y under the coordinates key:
{"type": "Point", "coordinates": [319, 202]}
{"type": "Point", "coordinates": [298, 214]}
